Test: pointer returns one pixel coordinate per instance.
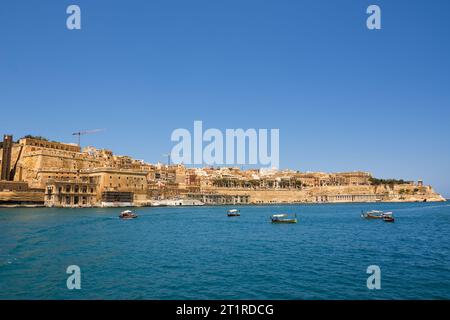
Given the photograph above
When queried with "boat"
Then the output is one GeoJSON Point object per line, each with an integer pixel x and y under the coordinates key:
{"type": "Point", "coordinates": [284, 218]}
{"type": "Point", "coordinates": [127, 214]}
{"type": "Point", "coordinates": [233, 213]}
{"type": "Point", "coordinates": [374, 214]}
{"type": "Point", "coordinates": [388, 217]}
{"type": "Point", "coordinates": [377, 214]}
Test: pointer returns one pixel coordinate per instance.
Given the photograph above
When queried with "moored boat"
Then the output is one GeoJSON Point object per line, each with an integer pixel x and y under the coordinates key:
{"type": "Point", "coordinates": [374, 214]}
{"type": "Point", "coordinates": [127, 214]}
{"type": "Point", "coordinates": [233, 213]}
{"type": "Point", "coordinates": [388, 217]}
{"type": "Point", "coordinates": [377, 214]}
{"type": "Point", "coordinates": [284, 218]}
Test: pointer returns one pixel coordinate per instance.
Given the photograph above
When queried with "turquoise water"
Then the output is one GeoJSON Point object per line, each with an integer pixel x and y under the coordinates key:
{"type": "Point", "coordinates": [200, 253]}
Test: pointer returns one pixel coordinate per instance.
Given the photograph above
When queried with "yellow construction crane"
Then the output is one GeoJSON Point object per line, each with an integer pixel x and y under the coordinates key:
{"type": "Point", "coordinates": [80, 133]}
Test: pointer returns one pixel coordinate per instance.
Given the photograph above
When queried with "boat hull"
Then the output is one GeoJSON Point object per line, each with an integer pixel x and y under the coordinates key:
{"type": "Point", "coordinates": [370, 217]}
{"type": "Point", "coordinates": [128, 216]}
{"type": "Point", "coordinates": [285, 221]}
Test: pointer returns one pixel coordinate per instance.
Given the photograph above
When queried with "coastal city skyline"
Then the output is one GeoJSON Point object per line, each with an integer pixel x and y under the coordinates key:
{"type": "Point", "coordinates": [166, 160]}
{"type": "Point", "coordinates": [36, 171]}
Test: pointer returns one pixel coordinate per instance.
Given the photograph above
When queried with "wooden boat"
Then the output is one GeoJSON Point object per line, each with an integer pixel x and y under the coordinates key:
{"type": "Point", "coordinates": [127, 214]}
{"type": "Point", "coordinates": [374, 214]}
{"type": "Point", "coordinates": [233, 213]}
{"type": "Point", "coordinates": [284, 218]}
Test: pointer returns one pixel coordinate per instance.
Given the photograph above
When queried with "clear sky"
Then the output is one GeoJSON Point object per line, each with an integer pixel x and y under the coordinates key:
{"type": "Point", "coordinates": [343, 97]}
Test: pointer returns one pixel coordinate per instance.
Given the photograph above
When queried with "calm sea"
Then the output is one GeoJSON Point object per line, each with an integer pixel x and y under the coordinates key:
{"type": "Point", "coordinates": [200, 253]}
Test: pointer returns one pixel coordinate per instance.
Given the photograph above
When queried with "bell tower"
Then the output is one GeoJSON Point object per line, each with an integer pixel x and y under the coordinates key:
{"type": "Point", "coordinates": [6, 158]}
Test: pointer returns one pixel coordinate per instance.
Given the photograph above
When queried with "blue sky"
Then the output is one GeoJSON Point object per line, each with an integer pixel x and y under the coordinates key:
{"type": "Point", "coordinates": [343, 97]}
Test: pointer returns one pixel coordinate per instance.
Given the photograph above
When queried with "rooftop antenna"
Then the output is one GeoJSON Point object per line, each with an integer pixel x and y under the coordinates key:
{"type": "Point", "coordinates": [80, 133]}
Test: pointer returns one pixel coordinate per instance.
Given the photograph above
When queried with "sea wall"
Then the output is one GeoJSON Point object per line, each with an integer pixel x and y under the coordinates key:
{"type": "Point", "coordinates": [22, 198]}
{"type": "Point", "coordinates": [396, 193]}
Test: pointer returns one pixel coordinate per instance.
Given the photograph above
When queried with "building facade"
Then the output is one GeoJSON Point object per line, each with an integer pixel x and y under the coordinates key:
{"type": "Point", "coordinates": [80, 192]}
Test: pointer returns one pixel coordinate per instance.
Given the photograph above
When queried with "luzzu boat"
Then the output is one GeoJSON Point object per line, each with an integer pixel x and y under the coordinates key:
{"type": "Point", "coordinates": [233, 213]}
{"type": "Point", "coordinates": [284, 218]}
{"type": "Point", "coordinates": [377, 214]}
{"type": "Point", "coordinates": [374, 214]}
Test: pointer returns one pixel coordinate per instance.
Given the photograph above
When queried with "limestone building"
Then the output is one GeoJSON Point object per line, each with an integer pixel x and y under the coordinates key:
{"type": "Point", "coordinates": [35, 170]}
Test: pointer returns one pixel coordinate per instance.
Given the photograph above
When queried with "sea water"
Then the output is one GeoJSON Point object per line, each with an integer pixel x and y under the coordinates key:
{"type": "Point", "coordinates": [200, 253]}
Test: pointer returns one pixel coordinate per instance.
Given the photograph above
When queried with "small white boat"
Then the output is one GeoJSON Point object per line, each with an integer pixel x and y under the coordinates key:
{"type": "Point", "coordinates": [127, 214]}
{"type": "Point", "coordinates": [233, 213]}
{"type": "Point", "coordinates": [388, 217]}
